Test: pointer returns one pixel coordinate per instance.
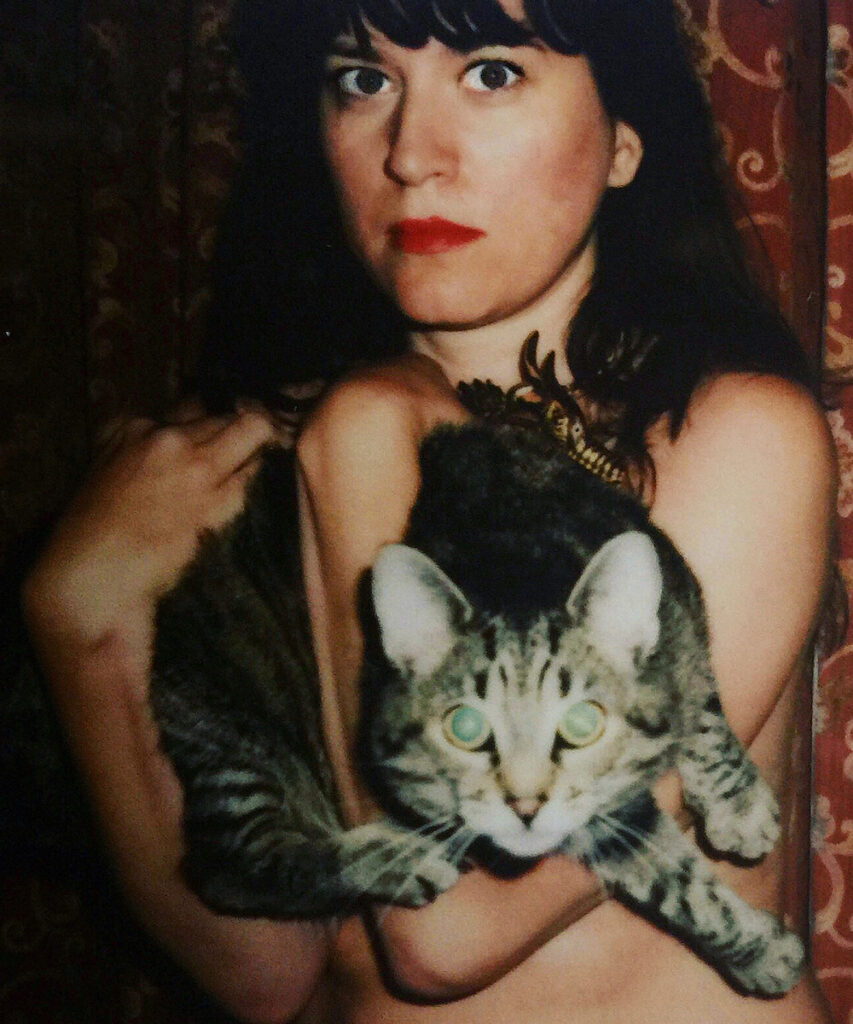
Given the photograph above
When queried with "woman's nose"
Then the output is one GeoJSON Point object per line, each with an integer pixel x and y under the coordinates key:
{"type": "Point", "coordinates": [421, 144]}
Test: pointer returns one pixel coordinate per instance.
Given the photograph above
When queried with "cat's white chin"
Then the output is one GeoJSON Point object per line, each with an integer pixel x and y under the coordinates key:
{"type": "Point", "coordinates": [546, 833]}
{"type": "Point", "coordinates": [529, 843]}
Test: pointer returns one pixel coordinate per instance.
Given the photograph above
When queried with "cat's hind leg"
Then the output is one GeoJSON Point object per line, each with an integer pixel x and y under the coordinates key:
{"type": "Point", "coordinates": [739, 811]}
{"type": "Point", "coordinates": [643, 859]}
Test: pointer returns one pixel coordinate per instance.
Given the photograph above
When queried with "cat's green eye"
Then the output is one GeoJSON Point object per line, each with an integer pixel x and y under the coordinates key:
{"type": "Point", "coordinates": [466, 727]}
{"type": "Point", "coordinates": [583, 723]}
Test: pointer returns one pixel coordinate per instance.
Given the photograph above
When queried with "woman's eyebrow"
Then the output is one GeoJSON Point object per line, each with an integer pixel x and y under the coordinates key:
{"type": "Point", "coordinates": [533, 43]}
{"type": "Point", "coordinates": [349, 46]}
{"type": "Point", "coordinates": [362, 49]}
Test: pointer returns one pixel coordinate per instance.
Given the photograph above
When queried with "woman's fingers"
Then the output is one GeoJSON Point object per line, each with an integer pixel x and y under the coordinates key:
{"type": "Point", "coordinates": [202, 429]}
{"type": "Point", "coordinates": [237, 443]}
{"type": "Point", "coordinates": [135, 524]}
{"type": "Point", "coordinates": [188, 411]}
{"type": "Point", "coordinates": [118, 431]}
{"type": "Point", "coordinates": [231, 496]}
{"type": "Point", "coordinates": [226, 442]}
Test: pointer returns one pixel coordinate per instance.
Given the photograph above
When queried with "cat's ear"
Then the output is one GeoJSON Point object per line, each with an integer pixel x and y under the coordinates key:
{"type": "Point", "coordinates": [419, 610]}
{"type": "Point", "coordinates": [617, 599]}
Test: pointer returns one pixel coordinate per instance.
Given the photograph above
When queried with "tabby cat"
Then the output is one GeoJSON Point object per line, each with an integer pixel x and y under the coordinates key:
{"type": "Point", "coordinates": [536, 657]}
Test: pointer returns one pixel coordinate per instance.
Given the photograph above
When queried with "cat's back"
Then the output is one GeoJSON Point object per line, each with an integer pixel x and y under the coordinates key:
{"type": "Point", "coordinates": [232, 651]}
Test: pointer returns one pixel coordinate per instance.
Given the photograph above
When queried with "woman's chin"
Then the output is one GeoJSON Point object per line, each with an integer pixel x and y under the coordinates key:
{"type": "Point", "coordinates": [432, 314]}
{"type": "Point", "coordinates": [432, 303]}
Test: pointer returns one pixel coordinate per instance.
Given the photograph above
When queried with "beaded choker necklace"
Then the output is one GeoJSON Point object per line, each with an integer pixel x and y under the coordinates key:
{"type": "Point", "coordinates": [541, 403]}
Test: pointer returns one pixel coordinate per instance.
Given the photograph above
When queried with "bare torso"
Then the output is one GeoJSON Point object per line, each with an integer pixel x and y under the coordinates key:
{"type": "Point", "coordinates": [611, 965]}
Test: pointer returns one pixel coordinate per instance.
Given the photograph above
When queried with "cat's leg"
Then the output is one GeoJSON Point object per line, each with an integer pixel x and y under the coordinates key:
{"type": "Point", "coordinates": [384, 862]}
{"type": "Point", "coordinates": [262, 838]}
{"type": "Point", "coordinates": [294, 877]}
{"type": "Point", "coordinates": [256, 841]}
{"type": "Point", "coordinates": [739, 811]}
{"type": "Point", "coordinates": [284, 874]}
{"type": "Point", "coordinates": [644, 860]}
{"type": "Point", "coordinates": [269, 843]}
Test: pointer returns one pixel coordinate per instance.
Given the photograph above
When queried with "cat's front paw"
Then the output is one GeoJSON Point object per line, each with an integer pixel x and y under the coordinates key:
{"type": "Point", "coordinates": [385, 864]}
{"type": "Point", "coordinates": [776, 970]}
{"type": "Point", "coordinates": [747, 824]}
{"type": "Point", "coordinates": [429, 879]}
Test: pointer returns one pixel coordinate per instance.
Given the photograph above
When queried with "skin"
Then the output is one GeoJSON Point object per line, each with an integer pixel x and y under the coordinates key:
{"type": "Point", "coordinates": [749, 476]}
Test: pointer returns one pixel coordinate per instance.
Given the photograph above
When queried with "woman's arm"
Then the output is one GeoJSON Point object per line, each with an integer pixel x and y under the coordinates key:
{"type": "Point", "coordinates": [745, 491]}
{"type": "Point", "coordinates": [358, 459]}
{"type": "Point", "coordinates": [89, 604]}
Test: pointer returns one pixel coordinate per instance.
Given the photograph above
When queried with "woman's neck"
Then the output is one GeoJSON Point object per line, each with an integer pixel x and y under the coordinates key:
{"type": "Point", "coordinates": [492, 351]}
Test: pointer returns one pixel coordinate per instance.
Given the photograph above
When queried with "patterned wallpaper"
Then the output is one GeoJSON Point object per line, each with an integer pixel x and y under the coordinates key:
{"type": "Point", "coordinates": [833, 833]}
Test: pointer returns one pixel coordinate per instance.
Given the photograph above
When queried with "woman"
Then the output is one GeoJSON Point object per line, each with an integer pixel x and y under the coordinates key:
{"type": "Point", "coordinates": [500, 168]}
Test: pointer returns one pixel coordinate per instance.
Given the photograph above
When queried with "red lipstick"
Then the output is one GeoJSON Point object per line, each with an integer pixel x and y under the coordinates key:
{"type": "Point", "coordinates": [433, 235]}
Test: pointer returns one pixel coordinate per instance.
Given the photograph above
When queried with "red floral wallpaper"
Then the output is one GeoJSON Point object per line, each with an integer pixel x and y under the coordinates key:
{"type": "Point", "coordinates": [118, 148]}
{"type": "Point", "coordinates": [833, 831]}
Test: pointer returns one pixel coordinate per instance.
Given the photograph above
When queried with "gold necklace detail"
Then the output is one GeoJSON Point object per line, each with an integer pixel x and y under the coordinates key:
{"type": "Point", "coordinates": [540, 402]}
{"type": "Point", "coordinates": [571, 432]}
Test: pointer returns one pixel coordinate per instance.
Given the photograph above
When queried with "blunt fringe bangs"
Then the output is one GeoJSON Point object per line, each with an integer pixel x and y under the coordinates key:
{"type": "Point", "coordinates": [462, 25]}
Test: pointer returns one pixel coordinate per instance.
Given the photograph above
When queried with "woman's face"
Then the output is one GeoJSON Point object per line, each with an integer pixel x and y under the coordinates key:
{"type": "Point", "coordinates": [469, 182]}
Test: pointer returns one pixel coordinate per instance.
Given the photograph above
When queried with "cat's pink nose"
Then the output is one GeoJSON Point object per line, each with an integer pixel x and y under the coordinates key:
{"type": "Point", "coordinates": [526, 807]}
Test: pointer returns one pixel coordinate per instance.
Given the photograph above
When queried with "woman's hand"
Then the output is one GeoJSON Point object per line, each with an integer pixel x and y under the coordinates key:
{"type": "Point", "coordinates": [136, 523]}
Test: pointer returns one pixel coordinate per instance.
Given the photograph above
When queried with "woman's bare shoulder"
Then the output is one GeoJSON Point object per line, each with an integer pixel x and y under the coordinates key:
{"type": "Point", "coordinates": [400, 399]}
{"type": "Point", "coordinates": [762, 431]}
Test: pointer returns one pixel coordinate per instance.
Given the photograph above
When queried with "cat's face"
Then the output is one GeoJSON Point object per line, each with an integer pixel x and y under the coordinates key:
{"type": "Point", "coordinates": [521, 735]}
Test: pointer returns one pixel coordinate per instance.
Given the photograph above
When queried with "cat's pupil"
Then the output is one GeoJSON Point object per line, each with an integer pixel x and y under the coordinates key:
{"type": "Point", "coordinates": [467, 726]}
{"type": "Point", "coordinates": [583, 723]}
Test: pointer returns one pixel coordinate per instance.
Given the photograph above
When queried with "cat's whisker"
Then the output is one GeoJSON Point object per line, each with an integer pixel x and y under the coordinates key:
{"type": "Point", "coordinates": [410, 842]}
{"type": "Point", "coordinates": [461, 840]}
{"type": "Point", "coordinates": [613, 828]}
{"type": "Point", "coordinates": [402, 845]}
{"type": "Point", "coordinates": [664, 855]}
{"type": "Point", "coordinates": [441, 849]}
{"type": "Point", "coordinates": [407, 843]}
{"type": "Point", "coordinates": [414, 870]}
{"type": "Point", "coordinates": [624, 833]}
{"type": "Point", "coordinates": [378, 854]}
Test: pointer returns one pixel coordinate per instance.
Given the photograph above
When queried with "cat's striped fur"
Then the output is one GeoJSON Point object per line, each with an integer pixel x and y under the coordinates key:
{"type": "Point", "coordinates": [523, 708]}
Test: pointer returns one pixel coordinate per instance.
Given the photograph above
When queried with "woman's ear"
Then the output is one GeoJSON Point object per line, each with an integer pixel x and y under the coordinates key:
{"type": "Point", "coordinates": [627, 154]}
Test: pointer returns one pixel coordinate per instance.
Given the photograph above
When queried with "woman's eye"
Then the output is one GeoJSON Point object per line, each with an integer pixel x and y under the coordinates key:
{"type": "Point", "coordinates": [582, 724]}
{"type": "Point", "coordinates": [491, 75]}
{"type": "Point", "coordinates": [360, 82]}
{"type": "Point", "coordinates": [466, 727]}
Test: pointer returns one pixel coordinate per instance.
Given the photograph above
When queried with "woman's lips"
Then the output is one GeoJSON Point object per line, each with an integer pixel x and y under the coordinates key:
{"type": "Point", "coordinates": [432, 235]}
